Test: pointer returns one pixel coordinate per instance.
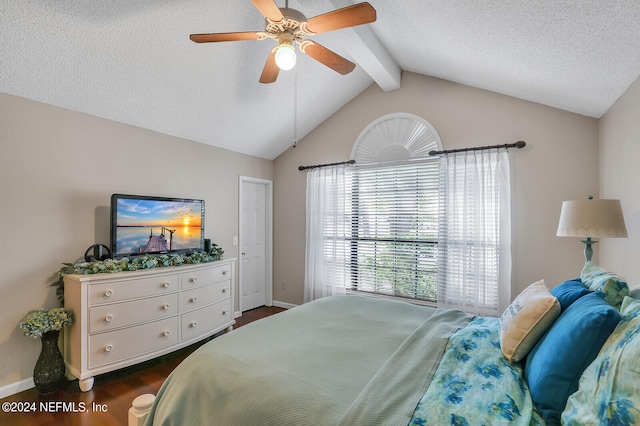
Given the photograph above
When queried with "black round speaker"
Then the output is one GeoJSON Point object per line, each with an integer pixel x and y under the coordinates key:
{"type": "Point", "coordinates": [97, 252]}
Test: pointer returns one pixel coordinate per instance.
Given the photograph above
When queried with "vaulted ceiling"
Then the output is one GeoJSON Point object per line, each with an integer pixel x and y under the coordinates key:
{"type": "Point", "coordinates": [133, 62]}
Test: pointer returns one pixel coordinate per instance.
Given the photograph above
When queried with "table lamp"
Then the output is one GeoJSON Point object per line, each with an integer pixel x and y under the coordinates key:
{"type": "Point", "coordinates": [591, 218]}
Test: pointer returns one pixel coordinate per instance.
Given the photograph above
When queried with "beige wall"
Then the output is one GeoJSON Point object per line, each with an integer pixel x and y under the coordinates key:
{"type": "Point", "coordinates": [620, 175]}
{"type": "Point", "coordinates": [58, 169]}
{"type": "Point", "coordinates": [560, 162]}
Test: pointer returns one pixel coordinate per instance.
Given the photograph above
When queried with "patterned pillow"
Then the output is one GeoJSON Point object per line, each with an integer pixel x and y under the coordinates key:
{"type": "Point", "coordinates": [526, 319]}
{"type": "Point", "coordinates": [608, 392]}
{"type": "Point", "coordinates": [613, 287]}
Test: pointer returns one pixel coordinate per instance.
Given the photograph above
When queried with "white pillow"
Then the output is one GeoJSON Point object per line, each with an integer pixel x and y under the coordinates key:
{"type": "Point", "coordinates": [526, 319]}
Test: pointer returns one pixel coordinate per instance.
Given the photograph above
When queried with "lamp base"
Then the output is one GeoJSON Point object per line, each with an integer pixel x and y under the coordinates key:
{"type": "Point", "coordinates": [588, 251]}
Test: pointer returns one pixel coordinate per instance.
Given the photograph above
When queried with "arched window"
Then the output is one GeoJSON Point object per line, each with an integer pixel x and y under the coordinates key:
{"type": "Point", "coordinates": [396, 137]}
{"type": "Point", "coordinates": [402, 223]}
{"type": "Point", "coordinates": [393, 196]}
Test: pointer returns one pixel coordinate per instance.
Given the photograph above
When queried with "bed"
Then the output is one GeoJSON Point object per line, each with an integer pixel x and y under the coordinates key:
{"type": "Point", "coordinates": [357, 360]}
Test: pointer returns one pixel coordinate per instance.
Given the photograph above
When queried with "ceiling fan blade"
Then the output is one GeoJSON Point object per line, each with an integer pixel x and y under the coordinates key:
{"type": "Point", "coordinates": [350, 16]}
{"type": "Point", "coordinates": [269, 9]}
{"type": "Point", "coordinates": [327, 57]}
{"type": "Point", "coordinates": [215, 37]}
{"type": "Point", "coordinates": [270, 70]}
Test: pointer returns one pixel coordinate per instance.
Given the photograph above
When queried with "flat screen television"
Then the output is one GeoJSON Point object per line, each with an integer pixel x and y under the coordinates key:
{"type": "Point", "coordinates": [152, 225]}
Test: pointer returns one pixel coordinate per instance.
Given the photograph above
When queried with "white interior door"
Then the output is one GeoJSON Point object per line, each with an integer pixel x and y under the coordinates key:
{"type": "Point", "coordinates": [255, 247]}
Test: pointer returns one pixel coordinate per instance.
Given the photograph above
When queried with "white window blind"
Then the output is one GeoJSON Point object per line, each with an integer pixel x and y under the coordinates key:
{"type": "Point", "coordinates": [392, 212]}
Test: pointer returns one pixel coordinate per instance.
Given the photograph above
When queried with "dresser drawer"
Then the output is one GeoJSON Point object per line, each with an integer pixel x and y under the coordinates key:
{"type": "Point", "coordinates": [109, 317]}
{"type": "Point", "coordinates": [201, 321]}
{"type": "Point", "coordinates": [113, 346]}
{"type": "Point", "coordinates": [202, 296]}
{"type": "Point", "coordinates": [116, 291]}
{"type": "Point", "coordinates": [205, 276]}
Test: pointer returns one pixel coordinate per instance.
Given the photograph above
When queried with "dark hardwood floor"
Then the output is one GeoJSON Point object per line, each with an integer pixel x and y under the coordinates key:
{"type": "Point", "coordinates": [109, 401]}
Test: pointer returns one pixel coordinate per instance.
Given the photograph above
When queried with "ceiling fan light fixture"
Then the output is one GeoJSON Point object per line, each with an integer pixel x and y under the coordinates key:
{"type": "Point", "coordinates": [288, 27]}
{"type": "Point", "coordinates": [285, 56]}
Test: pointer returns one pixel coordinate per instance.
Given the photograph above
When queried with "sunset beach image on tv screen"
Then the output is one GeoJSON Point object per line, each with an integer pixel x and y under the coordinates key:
{"type": "Point", "coordinates": [156, 226]}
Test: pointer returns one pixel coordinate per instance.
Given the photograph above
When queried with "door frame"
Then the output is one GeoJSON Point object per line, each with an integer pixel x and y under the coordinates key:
{"type": "Point", "coordinates": [268, 242]}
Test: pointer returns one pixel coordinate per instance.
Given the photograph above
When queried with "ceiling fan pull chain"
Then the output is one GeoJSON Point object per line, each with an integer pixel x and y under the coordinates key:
{"type": "Point", "coordinates": [295, 109]}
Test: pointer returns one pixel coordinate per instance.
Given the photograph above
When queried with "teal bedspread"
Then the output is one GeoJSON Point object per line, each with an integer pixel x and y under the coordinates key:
{"type": "Point", "coordinates": [345, 360]}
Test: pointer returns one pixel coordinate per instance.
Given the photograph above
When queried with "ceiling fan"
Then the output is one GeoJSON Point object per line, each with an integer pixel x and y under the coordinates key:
{"type": "Point", "coordinates": [288, 27]}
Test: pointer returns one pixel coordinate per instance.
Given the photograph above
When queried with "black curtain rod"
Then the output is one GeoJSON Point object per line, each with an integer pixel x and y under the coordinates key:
{"type": "Point", "coordinates": [519, 144]}
{"type": "Point", "coordinates": [301, 168]}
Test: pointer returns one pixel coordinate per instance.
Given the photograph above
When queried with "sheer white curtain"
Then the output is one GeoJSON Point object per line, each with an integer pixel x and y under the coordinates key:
{"type": "Point", "coordinates": [326, 253]}
{"type": "Point", "coordinates": [474, 238]}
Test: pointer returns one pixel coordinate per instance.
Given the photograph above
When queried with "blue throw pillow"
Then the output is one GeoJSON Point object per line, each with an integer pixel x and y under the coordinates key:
{"type": "Point", "coordinates": [557, 361]}
{"type": "Point", "coordinates": [569, 291]}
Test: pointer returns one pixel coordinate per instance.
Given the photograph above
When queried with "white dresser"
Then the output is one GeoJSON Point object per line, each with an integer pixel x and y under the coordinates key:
{"type": "Point", "coordinates": [125, 318]}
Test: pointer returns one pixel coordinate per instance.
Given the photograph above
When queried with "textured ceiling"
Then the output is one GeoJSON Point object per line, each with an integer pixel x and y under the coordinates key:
{"type": "Point", "coordinates": [133, 62]}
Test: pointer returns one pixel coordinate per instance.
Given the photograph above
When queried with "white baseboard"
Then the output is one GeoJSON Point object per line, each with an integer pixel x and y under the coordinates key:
{"type": "Point", "coordinates": [284, 305]}
{"type": "Point", "coordinates": [16, 387]}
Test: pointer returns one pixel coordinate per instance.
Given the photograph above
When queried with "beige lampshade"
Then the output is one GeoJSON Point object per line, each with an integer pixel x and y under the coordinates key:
{"type": "Point", "coordinates": [592, 218]}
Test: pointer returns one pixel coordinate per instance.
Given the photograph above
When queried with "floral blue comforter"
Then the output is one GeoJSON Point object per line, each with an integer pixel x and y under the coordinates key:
{"type": "Point", "coordinates": [475, 385]}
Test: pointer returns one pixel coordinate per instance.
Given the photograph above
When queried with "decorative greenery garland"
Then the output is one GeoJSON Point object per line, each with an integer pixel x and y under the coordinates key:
{"type": "Point", "coordinates": [140, 262]}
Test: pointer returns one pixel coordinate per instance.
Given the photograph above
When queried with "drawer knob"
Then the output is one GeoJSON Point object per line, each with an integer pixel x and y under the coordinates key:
{"type": "Point", "coordinates": [165, 306]}
{"type": "Point", "coordinates": [224, 272]}
{"type": "Point", "coordinates": [194, 299]}
{"type": "Point", "coordinates": [165, 333]}
{"type": "Point", "coordinates": [165, 285]}
{"type": "Point", "coordinates": [224, 290]}
{"type": "Point", "coordinates": [224, 312]}
{"type": "Point", "coordinates": [108, 348]}
{"type": "Point", "coordinates": [108, 293]}
{"type": "Point", "coordinates": [193, 324]}
{"type": "Point", "coordinates": [193, 279]}
{"type": "Point", "coordinates": [108, 318]}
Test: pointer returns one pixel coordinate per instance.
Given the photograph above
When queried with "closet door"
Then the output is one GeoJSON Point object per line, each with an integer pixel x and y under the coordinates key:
{"type": "Point", "coordinates": [255, 247]}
